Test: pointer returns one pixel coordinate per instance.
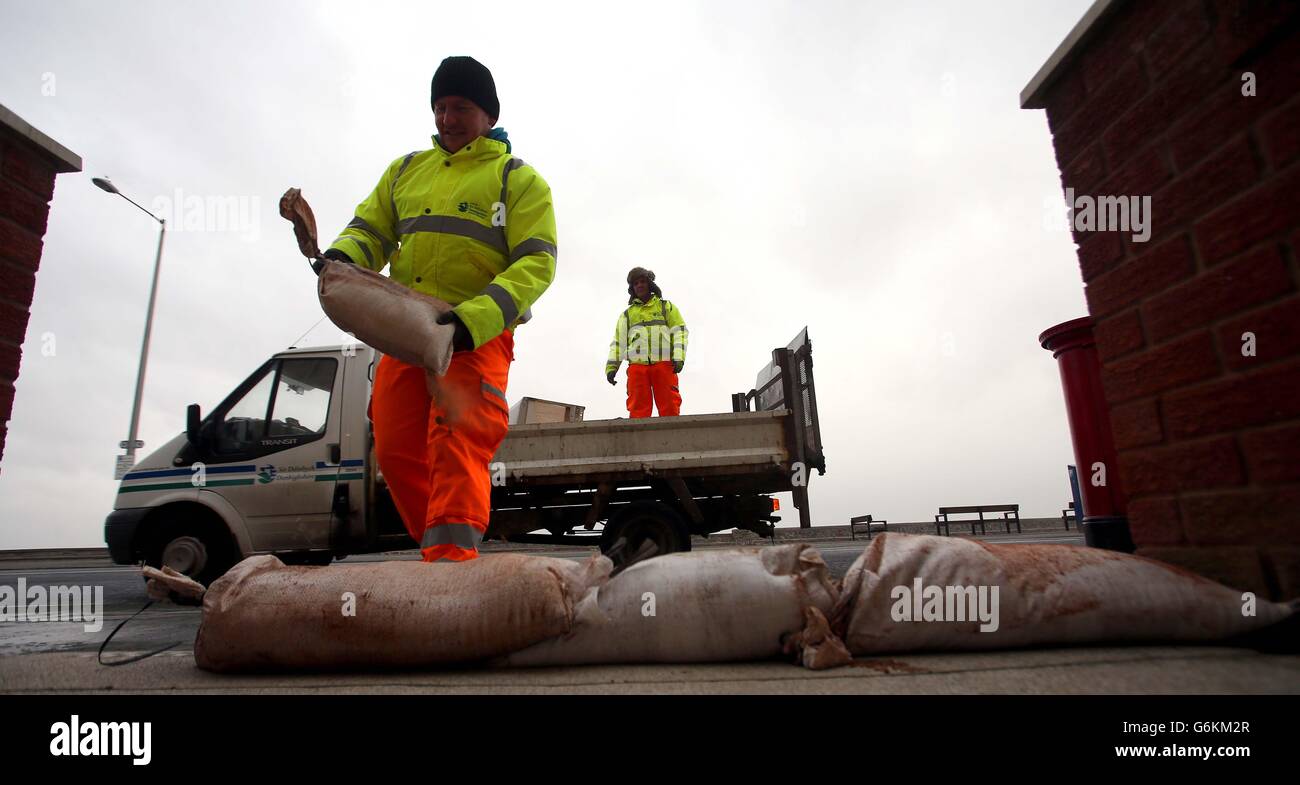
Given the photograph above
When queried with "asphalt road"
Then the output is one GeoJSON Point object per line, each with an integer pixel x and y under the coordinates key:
{"type": "Point", "coordinates": [164, 623]}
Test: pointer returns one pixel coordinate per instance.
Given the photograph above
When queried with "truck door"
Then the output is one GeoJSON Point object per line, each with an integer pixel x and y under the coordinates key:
{"type": "Point", "coordinates": [272, 448]}
{"type": "Point", "coordinates": [353, 487]}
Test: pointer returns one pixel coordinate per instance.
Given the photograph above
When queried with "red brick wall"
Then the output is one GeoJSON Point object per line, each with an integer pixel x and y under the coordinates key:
{"type": "Point", "coordinates": [26, 187]}
{"type": "Point", "coordinates": [1208, 439]}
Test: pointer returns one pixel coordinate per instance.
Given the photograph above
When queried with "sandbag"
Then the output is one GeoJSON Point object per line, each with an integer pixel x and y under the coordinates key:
{"type": "Point", "coordinates": [168, 584]}
{"type": "Point", "coordinates": [381, 313]}
{"type": "Point", "coordinates": [710, 606]}
{"type": "Point", "coordinates": [373, 308]}
{"type": "Point", "coordinates": [1032, 594]}
{"type": "Point", "coordinates": [263, 615]}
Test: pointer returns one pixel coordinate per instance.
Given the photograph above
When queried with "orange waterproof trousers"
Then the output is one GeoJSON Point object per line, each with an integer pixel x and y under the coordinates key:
{"type": "Point", "coordinates": [434, 450]}
{"type": "Point", "coordinates": [655, 383]}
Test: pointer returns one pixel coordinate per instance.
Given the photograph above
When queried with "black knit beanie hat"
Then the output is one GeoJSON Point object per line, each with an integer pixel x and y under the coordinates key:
{"type": "Point", "coordinates": [467, 78]}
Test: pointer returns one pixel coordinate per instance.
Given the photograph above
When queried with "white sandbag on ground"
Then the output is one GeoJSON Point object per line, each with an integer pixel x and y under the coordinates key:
{"type": "Point", "coordinates": [1026, 594]}
{"type": "Point", "coordinates": [710, 606]}
{"type": "Point", "coordinates": [263, 615]}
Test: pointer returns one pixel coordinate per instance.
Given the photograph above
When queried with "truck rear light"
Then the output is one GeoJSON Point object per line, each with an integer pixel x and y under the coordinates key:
{"type": "Point", "coordinates": [776, 505]}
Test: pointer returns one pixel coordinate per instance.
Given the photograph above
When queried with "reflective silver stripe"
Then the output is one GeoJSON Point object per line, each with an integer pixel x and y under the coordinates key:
{"type": "Point", "coordinates": [531, 246]}
{"type": "Point", "coordinates": [405, 162]}
{"type": "Point", "coordinates": [490, 389]}
{"type": "Point", "coordinates": [369, 257]}
{"type": "Point", "coordinates": [649, 323]}
{"type": "Point", "coordinates": [447, 224]}
{"type": "Point", "coordinates": [681, 328]}
{"type": "Point", "coordinates": [392, 190]}
{"type": "Point", "coordinates": [509, 311]}
{"type": "Point", "coordinates": [513, 163]}
{"type": "Point", "coordinates": [360, 223]}
{"type": "Point", "coordinates": [462, 535]}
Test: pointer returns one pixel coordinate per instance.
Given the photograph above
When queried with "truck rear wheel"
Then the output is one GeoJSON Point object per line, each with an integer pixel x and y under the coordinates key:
{"type": "Point", "coordinates": [643, 530]}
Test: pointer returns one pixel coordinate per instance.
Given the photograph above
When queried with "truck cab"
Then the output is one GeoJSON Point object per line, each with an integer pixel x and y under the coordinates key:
{"type": "Point", "coordinates": [279, 467]}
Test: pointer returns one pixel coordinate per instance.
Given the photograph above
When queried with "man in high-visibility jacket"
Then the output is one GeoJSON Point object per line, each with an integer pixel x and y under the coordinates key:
{"type": "Point", "coordinates": [470, 224]}
{"type": "Point", "coordinates": [651, 336]}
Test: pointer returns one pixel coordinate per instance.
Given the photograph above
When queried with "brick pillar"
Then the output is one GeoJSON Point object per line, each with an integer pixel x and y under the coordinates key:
{"type": "Point", "coordinates": [29, 161]}
{"type": "Point", "coordinates": [1148, 99]}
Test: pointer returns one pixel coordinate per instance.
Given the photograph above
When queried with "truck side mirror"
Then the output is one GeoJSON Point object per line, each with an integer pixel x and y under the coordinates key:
{"type": "Point", "coordinates": [192, 424]}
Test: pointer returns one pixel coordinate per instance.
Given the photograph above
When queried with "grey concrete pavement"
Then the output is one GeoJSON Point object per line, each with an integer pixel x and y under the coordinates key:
{"type": "Point", "coordinates": [1136, 670]}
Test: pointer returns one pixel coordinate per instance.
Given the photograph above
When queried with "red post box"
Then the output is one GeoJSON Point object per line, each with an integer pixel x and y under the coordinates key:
{"type": "Point", "coordinates": [1104, 522]}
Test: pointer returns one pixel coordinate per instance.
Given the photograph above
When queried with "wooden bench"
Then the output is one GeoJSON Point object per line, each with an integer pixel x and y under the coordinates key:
{"type": "Point", "coordinates": [865, 520]}
{"type": "Point", "coordinates": [1066, 515]}
{"type": "Point", "coordinates": [1010, 512]}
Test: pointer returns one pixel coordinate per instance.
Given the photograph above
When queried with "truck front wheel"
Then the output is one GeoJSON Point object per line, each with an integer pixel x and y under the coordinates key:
{"type": "Point", "coordinates": [199, 549]}
{"type": "Point", "coordinates": [643, 530]}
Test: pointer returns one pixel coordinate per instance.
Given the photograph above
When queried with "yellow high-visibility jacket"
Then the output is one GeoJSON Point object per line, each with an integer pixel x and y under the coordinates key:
{"type": "Point", "coordinates": [475, 228]}
{"type": "Point", "coordinates": [647, 333]}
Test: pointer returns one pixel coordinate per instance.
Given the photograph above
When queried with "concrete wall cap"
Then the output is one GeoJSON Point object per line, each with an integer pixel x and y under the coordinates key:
{"type": "Point", "coordinates": [1035, 93]}
{"type": "Point", "coordinates": [64, 159]}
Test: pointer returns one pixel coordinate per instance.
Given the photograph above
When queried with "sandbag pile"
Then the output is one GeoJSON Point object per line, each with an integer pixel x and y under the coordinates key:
{"type": "Point", "coordinates": [514, 609]}
{"type": "Point", "coordinates": [908, 593]}
{"type": "Point", "coordinates": [926, 593]}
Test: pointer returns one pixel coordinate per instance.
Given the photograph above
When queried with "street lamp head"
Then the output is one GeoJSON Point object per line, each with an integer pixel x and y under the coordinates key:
{"type": "Point", "coordinates": [105, 184]}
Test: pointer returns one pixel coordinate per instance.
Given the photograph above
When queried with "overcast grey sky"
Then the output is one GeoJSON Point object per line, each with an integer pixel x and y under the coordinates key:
{"type": "Point", "coordinates": [859, 168]}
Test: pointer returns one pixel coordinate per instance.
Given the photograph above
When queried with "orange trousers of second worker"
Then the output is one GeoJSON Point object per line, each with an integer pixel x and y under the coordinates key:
{"type": "Point", "coordinates": [655, 383]}
{"type": "Point", "coordinates": [434, 450]}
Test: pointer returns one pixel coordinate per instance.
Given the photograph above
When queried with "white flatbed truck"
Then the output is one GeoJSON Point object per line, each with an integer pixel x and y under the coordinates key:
{"type": "Point", "coordinates": [285, 465]}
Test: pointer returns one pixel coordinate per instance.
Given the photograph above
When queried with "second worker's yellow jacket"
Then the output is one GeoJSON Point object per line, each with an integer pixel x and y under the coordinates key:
{"type": "Point", "coordinates": [648, 333]}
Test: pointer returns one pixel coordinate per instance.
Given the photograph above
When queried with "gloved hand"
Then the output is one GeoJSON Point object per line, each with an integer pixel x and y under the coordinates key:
{"type": "Point", "coordinates": [318, 264]}
{"type": "Point", "coordinates": [610, 376]}
{"type": "Point", "coordinates": [337, 255]}
{"type": "Point", "coordinates": [677, 365]}
{"type": "Point", "coordinates": [462, 341]}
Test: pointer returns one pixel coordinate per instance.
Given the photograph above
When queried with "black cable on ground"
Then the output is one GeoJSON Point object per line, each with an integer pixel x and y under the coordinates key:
{"type": "Point", "coordinates": [138, 657]}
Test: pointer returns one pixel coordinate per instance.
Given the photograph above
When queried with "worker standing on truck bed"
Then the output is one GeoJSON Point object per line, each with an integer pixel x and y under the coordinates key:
{"type": "Point", "coordinates": [651, 336]}
{"type": "Point", "coordinates": [472, 225]}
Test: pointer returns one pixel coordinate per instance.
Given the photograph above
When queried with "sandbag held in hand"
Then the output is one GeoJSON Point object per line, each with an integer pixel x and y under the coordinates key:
{"type": "Point", "coordinates": [381, 313]}
{"type": "Point", "coordinates": [373, 308]}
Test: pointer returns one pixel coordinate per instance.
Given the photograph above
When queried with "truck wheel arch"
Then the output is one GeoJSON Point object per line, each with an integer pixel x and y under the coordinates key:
{"type": "Point", "coordinates": [150, 527]}
{"type": "Point", "coordinates": [229, 516]}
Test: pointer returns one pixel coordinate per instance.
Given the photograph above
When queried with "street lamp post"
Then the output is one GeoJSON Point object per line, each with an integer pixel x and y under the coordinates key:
{"type": "Point", "coordinates": [125, 462]}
